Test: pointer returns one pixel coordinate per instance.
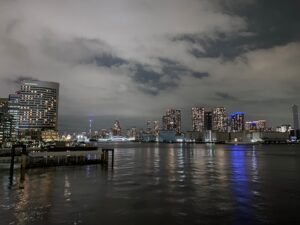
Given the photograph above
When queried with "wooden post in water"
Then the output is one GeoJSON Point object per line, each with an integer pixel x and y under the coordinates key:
{"type": "Point", "coordinates": [12, 163]}
{"type": "Point", "coordinates": [23, 166]}
{"type": "Point", "coordinates": [112, 158]}
{"type": "Point", "coordinates": [104, 156]}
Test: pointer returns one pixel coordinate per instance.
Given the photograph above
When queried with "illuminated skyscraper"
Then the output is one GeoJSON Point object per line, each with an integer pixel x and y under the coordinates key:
{"type": "Point", "coordinates": [295, 117]}
{"type": "Point", "coordinates": [5, 122]}
{"type": "Point", "coordinates": [172, 120]}
{"type": "Point", "coordinates": [14, 111]}
{"type": "Point", "coordinates": [219, 122]}
{"type": "Point", "coordinates": [116, 129]}
{"type": "Point", "coordinates": [198, 118]}
{"type": "Point", "coordinates": [259, 125]}
{"type": "Point", "coordinates": [237, 122]}
{"type": "Point", "coordinates": [133, 133]}
{"type": "Point", "coordinates": [284, 128]}
{"type": "Point", "coordinates": [38, 105]}
{"type": "Point", "coordinates": [104, 133]}
{"type": "Point", "coordinates": [156, 128]}
{"type": "Point", "coordinates": [149, 128]}
{"type": "Point", "coordinates": [3, 105]}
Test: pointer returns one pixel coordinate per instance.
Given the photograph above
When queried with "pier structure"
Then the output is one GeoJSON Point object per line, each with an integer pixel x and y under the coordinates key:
{"type": "Point", "coordinates": [63, 158]}
{"type": "Point", "coordinates": [67, 158]}
{"type": "Point", "coordinates": [57, 157]}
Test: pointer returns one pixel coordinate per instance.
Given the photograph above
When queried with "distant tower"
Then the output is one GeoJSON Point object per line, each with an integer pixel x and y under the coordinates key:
{"type": "Point", "coordinates": [90, 131]}
{"type": "Point", "coordinates": [295, 117]}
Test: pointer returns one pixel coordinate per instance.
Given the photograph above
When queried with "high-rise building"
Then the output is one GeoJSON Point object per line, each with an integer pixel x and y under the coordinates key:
{"type": "Point", "coordinates": [14, 111]}
{"type": "Point", "coordinates": [149, 127]}
{"type": "Point", "coordinates": [38, 105]}
{"type": "Point", "coordinates": [5, 127]}
{"type": "Point", "coordinates": [219, 119]}
{"type": "Point", "coordinates": [198, 118]}
{"type": "Point", "coordinates": [5, 122]}
{"type": "Point", "coordinates": [237, 122]}
{"type": "Point", "coordinates": [152, 127]}
{"type": "Point", "coordinates": [208, 120]}
{"type": "Point", "coordinates": [132, 133]}
{"type": "Point", "coordinates": [156, 128]}
{"type": "Point", "coordinates": [3, 105]}
{"type": "Point", "coordinates": [258, 125]}
{"type": "Point", "coordinates": [104, 133]}
{"type": "Point", "coordinates": [172, 120]}
{"type": "Point", "coordinates": [295, 117]}
{"type": "Point", "coordinates": [116, 129]}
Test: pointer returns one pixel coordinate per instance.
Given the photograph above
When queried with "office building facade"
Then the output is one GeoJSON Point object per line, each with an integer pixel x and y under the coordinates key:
{"type": "Point", "coordinates": [237, 122]}
{"type": "Point", "coordinates": [38, 105]}
{"type": "Point", "coordinates": [14, 111]}
{"type": "Point", "coordinates": [116, 129]}
{"type": "Point", "coordinates": [172, 120]}
{"type": "Point", "coordinates": [5, 122]}
{"type": "Point", "coordinates": [219, 122]}
{"type": "Point", "coordinates": [258, 125]}
{"type": "Point", "coordinates": [198, 119]}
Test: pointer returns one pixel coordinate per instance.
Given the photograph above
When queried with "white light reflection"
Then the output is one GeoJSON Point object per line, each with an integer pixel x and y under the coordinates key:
{"type": "Point", "coordinates": [180, 164]}
{"type": "Point", "coordinates": [254, 165]}
{"type": "Point", "coordinates": [67, 190]}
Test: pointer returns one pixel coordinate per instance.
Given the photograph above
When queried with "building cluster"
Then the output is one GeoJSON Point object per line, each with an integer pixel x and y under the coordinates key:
{"type": "Point", "coordinates": [215, 119]}
{"type": "Point", "coordinates": [30, 114]}
{"type": "Point", "coordinates": [209, 119]}
{"type": "Point", "coordinates": [208, 125]}
{"type": "Point", "coordinates": [207, 122]}
{"type": "Point", "coordinates": [215, 125]}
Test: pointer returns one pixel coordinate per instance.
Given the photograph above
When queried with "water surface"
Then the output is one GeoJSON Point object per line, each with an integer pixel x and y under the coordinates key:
{"type": "Point", "coordinates": [162, 184]}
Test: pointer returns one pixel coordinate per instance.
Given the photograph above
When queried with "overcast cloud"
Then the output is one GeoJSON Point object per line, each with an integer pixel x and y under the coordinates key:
{"type": "Point", "coordinates": [132, 59]}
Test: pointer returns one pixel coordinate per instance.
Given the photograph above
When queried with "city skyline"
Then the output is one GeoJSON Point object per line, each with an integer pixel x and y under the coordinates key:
{"type": "Point", "coordinates": [34, 106]}
{"type": "Point", "coordinates": [131, 60]}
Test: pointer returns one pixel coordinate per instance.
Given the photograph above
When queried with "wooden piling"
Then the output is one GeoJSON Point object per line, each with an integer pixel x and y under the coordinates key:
{"type": "Point", "coordinates": [105, 152]}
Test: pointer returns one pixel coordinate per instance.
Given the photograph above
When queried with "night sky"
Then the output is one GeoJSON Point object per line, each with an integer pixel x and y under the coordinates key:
{"type": "Point", "coordinates": [132, 59]}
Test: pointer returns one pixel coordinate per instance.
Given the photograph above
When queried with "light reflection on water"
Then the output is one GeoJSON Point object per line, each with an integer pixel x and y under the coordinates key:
{"type": "Point", "coordinates": [159, 184]}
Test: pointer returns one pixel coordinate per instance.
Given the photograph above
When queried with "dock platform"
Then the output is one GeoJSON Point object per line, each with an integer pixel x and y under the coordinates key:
{"type": "Point", "coordinates": [59, 157]}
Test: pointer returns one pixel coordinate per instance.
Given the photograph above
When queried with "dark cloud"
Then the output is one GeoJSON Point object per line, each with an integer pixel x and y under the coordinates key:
{"type": "Point", "coordinates": [225, 96]}
{"type": "Point", "coordinates": [176, 70]}
{"type": "Point", "coordinates": [105, 60]}
{"type": "Point", "coordinates": [275, 22]}
{"type": "Point", "coordinates": [269, 24]}
{"type": "Point", "coordinates": [152, 82]}
{"type": "Point", "coordinates": [199, 75]}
